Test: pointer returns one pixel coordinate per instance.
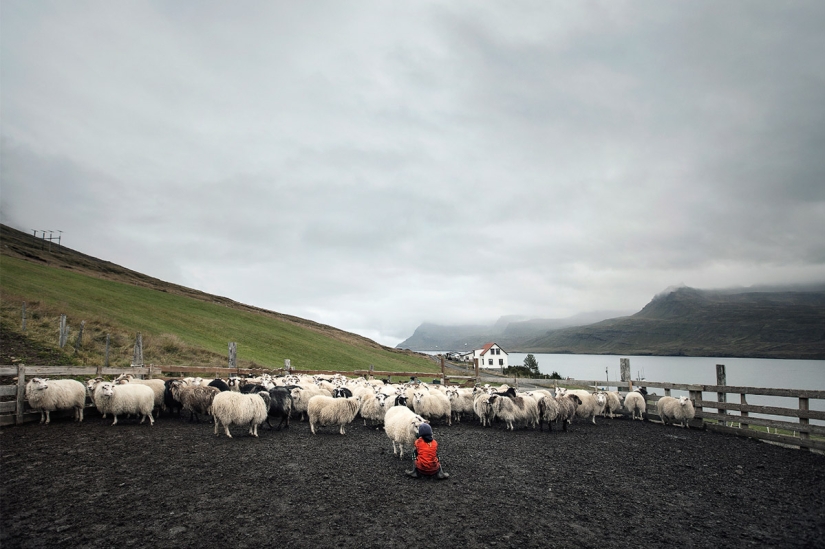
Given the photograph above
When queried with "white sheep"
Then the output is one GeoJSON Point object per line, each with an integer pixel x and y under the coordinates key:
{"type": "Point", "coordinates": [116, 399]}
{"type": "Point", "coordinates": [323, 410]}
{"type": "Point", "coordinates": [401, 425]}
{"type": "Point", "coordinates": [483, 409]}
{"type": "Point", "coordinates": [515, 410]}
{"type": "Point", "coordinates": [372, 407]}
{"type": "Point", "coordinates": [673, 410]}
{"type": "Point", "coordinates": [48, 395]}
{"type": "Point", "coordinates": [432, 405]}
{"type": "Point", "coordinates": [461, 401]}
{"type": "Point", "coordinates": [589, 407]}
{"type": "Point", "coordinates": [157, 385]}
{"type": "Point", "coordinates": [301, 396]}
{"type": "Point", "coordinates": [231, 408]}
{"type": "Point", "coordinates": [635, 401]}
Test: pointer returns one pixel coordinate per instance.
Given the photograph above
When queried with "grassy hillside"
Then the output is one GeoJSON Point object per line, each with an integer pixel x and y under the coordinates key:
{"type": "Point", "coordinates": [177, 328]}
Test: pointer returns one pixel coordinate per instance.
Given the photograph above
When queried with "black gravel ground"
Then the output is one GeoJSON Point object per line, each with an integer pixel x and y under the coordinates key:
{"type": "Point", "coordinates": [618, 483]}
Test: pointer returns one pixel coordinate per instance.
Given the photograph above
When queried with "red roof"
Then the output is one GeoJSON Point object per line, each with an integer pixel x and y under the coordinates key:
{"type": "Point", "coordinates": [487, 347]}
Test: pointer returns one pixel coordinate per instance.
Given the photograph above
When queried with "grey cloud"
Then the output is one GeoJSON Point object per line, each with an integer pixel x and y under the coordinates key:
{"type": "Point", "coordinates": [379, 165]}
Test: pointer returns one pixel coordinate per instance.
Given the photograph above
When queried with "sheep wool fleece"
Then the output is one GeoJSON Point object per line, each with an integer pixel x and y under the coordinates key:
{"type": "Point", "coordinates": [426, 460]}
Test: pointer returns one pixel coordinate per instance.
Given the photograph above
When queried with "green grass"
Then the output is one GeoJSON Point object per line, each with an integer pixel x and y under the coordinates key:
{"type": "Point", "coordinates": [176, 330]}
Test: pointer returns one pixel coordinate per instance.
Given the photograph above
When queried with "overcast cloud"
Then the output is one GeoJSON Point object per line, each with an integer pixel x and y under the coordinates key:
{"type": "Point", "coordinates": [375, 165]}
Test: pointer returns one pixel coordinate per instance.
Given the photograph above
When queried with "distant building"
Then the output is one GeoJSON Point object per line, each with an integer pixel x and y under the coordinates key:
{"type": "Point", "coordinates": [490, 356]}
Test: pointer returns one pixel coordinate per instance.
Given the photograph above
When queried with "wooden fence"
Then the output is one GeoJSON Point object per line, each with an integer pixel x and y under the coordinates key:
{"type": "Point", "coordinates": [713, 414]}
{"type": "Point", "coordinates": [719, 420]}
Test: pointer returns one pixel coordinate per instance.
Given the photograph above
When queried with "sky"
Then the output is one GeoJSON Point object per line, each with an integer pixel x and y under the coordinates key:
{"type": "Point", "coordinates": [377, 165]}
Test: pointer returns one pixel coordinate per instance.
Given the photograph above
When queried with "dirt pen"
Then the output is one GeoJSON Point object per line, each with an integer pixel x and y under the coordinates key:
{"type": "Point", "coordinates": [619, 481]}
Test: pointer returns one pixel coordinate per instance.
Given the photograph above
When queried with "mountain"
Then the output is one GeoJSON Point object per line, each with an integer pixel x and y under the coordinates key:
{"type": "Point", "coordinates": [508, 331]}
{"type": "Point", "coordinates": [179, 325]}
{"type": "Point", "coordinates": [757, 322]}
{"type": "Point", "coordinates": [754, 323]}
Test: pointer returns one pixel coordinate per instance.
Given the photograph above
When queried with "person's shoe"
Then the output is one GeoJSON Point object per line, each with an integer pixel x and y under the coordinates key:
{"type": "Point", "coordinates": [441, 475]}
{"type": "Point", "coordinates": [413, 473]}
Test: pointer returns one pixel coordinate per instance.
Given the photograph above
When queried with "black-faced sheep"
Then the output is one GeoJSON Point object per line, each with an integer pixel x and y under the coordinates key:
{"type": "Point", "coordinates": [231, 408]}
{"type": "Point", "coordinates": [48, 395]}
{"type": "Point", "coordinates": [280, 406]}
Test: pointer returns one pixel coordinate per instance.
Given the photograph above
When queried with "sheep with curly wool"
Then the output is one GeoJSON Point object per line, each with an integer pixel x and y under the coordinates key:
{"type": "Point", "coordinates": [401, 426]}
{"type": "Point", "coordinates": [231, 408]}
{"type": "Point", "coordinates": [128, 398]}
{"type": "Point", "coordinates": [548, 412]}
{"type": "Point", "coordinates": [49, 395]}
{"type": "Point", "coordinates": [568, 404]}
{"type": "Point", "coordinates": [514, 410]}
{"type": "Point", "coordinates": [432, 405]}
{"type": "Point", "coordinates": [673, 410]}
{"type": "Point", "coordinates": [326, 411]}
{"type": "Point", "coordinates": [635, 402]}
{"type": "Point", "coordinates": [195, 399]}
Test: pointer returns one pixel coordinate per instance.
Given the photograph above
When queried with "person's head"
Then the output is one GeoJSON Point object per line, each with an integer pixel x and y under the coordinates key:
{"type": "Point", "coordinates": [425, 432]}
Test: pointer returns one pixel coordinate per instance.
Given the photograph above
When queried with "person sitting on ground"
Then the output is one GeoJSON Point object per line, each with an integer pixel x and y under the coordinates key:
{"type": "Point", "coordinates": [426, 455]}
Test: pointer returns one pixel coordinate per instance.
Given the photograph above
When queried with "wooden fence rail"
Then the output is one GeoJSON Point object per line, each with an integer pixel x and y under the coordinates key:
{"type": "Point", "coordinates": [14, 411]}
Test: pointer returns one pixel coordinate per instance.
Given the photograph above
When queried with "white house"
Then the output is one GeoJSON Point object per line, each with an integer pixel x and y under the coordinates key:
{"type": "Point", "coordinates": [491, 356]}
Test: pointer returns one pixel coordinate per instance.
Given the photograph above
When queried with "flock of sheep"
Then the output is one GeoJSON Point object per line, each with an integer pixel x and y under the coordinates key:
{"type": "Point", "coordinates": [336, 402]}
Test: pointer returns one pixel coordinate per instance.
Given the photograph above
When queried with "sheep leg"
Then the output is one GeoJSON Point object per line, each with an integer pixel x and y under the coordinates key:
{"type": "Point", "coordinates": [216, 426]}
{"type": "Point", "coordinates": [342, 430]}
{"type": "Point", "coordinates": [226, 428]}
{"type": "Point", "coordinates": [115, 422]}
{"type": "Point", "coordinates": [80, 415]}
{"type": "Point", "coordinates": [312, 427]}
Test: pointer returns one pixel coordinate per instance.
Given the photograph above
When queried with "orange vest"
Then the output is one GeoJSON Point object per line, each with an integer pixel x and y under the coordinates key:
{"type": "Point", "coordinates": [426, 460]}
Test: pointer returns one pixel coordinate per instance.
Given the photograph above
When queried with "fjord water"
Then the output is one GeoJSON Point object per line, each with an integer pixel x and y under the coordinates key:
{"type": "Point", "coordinates": [745, 372]}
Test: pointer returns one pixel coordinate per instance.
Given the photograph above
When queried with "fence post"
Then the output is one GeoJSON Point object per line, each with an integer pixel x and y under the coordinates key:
{"type": "Point", "coordinates": [721, 379]}
{"type": "Point", "coordinates": [24, 316]}
{"type": "Point", "coordinates": [106, 359]}
{"type": "Point", "coordinates": [64, 331]}
{"type": "Point", "coordinates": [233, 356]}
{"type": "Point", "coordinates": [137, 357]}
{"type": "Point", "coordinates": [803, 405]}
{"type": "Point", "coordinates": [443, 375]}
{"type": "Point", "coordinates": [79, 341]}
{"type": "Point", "coordinates": [696, 396]}
{"type": "Point", "coordinates": [475, 361]}
{"type": "Point", "coordinates": [744, 401]}
{"type": "Point", "coordinates": [287, 365]}
{"type": "Point", "coordinates": [624, 368]}
{"type": "Point", "coordinates": [21, 393]}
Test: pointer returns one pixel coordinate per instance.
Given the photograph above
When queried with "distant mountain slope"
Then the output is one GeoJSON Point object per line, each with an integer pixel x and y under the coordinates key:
{"type": "Point", "coordinates": [690, 322]}
{"type": "Point", "coordinates": [508, 331]}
